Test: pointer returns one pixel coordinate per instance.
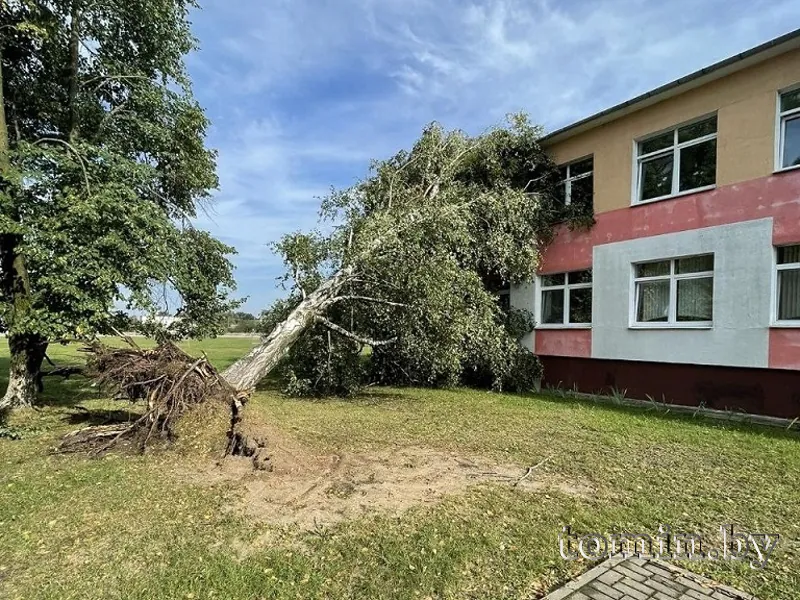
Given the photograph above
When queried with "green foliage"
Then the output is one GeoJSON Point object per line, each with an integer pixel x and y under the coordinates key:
{"type": "Point", "coordinates": [108, 168]}
{"type": "Point", "coordinates": [425, 240]}
{"type": "Point", "coordinates": [324, 364]}
{"type": "Point", "coordinates": [321, 363]}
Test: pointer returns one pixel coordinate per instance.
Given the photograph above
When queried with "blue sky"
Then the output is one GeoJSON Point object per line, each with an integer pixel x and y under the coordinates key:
{"type": "Point", "coordinates": [303, 93]}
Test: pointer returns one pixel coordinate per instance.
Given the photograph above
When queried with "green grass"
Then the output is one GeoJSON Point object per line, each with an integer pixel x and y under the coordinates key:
{"type": "Point", "coordinates": [135, 527]}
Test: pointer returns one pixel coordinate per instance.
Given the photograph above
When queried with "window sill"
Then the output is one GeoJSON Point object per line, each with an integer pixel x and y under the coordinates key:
{"type": "Point", "coordinates": [563, 326]}
{"type": "Point", "coordinates": [699, 190]}
{"type": "Point", "coordinates": [671, 326]}
{"type": "Point", "coordinates": [785, 325]}
{"type": "Point", "coordinates": [786, 169]}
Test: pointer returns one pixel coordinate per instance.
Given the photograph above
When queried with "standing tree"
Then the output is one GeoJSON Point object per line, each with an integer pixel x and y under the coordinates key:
{"type": "Point", "coordinates": [411, 263]}
{"type": "Point", "coordinates": [102, 167]}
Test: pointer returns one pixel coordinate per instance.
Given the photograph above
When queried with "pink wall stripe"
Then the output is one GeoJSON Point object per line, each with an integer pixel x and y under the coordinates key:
{"type": "Point", "coordinates": [777, 196]}
{"type": "Point", "coordinates": [564, 342]}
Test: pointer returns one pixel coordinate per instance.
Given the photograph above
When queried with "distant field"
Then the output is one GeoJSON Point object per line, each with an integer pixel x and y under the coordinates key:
{"type": "Point", "coordinates": [395, 494]}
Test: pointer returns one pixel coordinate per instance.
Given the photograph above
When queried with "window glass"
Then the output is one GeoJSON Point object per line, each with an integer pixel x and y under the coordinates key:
{"type": "Point", "coordinates": [580, 305]}
{"type": "Point", "coordinates": [582, 191]}
{"type": "Point", "coordinates": [680, 160]}
{"type": "Point", "coordinates": [658, 142]}
{"type": "Point", "coordinates": [551, 280]}
{"type": "Point", "coordinates": [657, 177]}
{"type": "Point", "coordinates": [696, 130]}
{"type": "Point", "coordinates": [553, 306]}
{"type": "Point", "coordinates": [653, 269]}
{"type": "Point", "coordinates": [698, 165]}
{"type": "Point", "coordinates": [653, 302]}
{"type": "Point", "coordinates": [581, 167]}
{"type": "Point", "coordinates": [679, 290]}
{"type": "Point", "coordinates": [566, 298]}
{"type": "Point", "coordinates": [580, 277]}
{"type": "Point", "coordinates": [695, 299]}
{"type": "Point", "coordinates": [790, 100]}
{"type": "Point", "coordinates": [561, 193]}
{"type": "Point", "coordinates": [504, 301]}
{"type": "Point", "coordinates": [695, 264]}
{"type": "Point", "coordinates": [791, 143]}
{"type": "Point", "coordinates": [577, 186]}
{"type": "Point", "coordinates": [788, 255]}
{"type": "Point", "coordinates": [789, 295]}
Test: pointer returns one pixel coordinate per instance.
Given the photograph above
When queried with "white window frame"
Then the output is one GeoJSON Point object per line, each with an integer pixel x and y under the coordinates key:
{"type": "Point", "coordinates": [569, 179]}
{"type": "Point", "coordinates": [675, 150]}
{"type": "Point", "coordinates": [777, 268]}
{"type": "Point", "coordinates": [566, 287]}
{"type": "Point", "coordinates": [781, 118]}
{"type": "Point", "coordinates": [673, 278]}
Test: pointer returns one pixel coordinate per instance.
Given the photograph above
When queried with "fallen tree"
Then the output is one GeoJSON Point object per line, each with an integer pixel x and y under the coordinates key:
{"type": "Point", "coordinates": [410, 269]}
{"type": "Point", "coordinates": [418, 252]}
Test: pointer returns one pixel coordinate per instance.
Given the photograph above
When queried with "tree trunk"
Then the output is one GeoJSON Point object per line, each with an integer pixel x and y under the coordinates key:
{"type": "Point", "coordinates": [27, 354]}
{"type": "Point", "coordinates": [246, 372]}
{"type": "Point", "coordinates": [27, 350]}
{"type": "Point", "coordinates": [74, 65]}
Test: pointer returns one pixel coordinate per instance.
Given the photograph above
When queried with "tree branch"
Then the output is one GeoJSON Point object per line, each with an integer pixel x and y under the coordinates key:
{"type": "Point", "coordinates": [65, 372]}
{"type": "Point", "coordinates": [74, 151]}
{"type": "Point", "coordinates": [370, 299]}
{"type": "Point", "coordinates": [348, 334]}
{"type": "Point", "coordinates": [296, 277]}
{"type": "Point", "coordinates": [104, 79]}
{"type": "Point", "coordinates": [119, 109]}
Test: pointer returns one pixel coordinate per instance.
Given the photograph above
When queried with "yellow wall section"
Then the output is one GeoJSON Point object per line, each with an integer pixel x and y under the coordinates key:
{"type": "Point", "coordinates": [745, 103]}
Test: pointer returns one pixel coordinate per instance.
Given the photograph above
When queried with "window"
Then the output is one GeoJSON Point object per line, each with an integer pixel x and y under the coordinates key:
{"type": "Point", "coordinates": [789, 133]}
{"type": "Point", "coordinates": [788, 282]}
{"type": "Point", "coordinates": [677, 292]}
{"type": "Point", "coordinates": [577, 183]}
{"type": "Point", "coordinates": [504, 299]}
{"type": "Point", "coordinates": [566, 298]}
{"type": "Point", "coordinates": [680, 160]}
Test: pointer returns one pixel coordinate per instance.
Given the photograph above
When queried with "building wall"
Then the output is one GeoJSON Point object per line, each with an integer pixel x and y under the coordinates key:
{"type": "Point", "coordinates": [742, 361]}
{"type": "Point", "coordinates": [740, 223]}
{"type": "Point", "coordinates": [743, 259]}
{"type": "Point", "coordinates": [745, 103]}
{"type": "Point", "coordinates": [755, 391]}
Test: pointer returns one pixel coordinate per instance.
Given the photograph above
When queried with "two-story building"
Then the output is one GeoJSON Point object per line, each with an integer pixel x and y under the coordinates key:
{"type": "Point", "coordinates": [687, 288]}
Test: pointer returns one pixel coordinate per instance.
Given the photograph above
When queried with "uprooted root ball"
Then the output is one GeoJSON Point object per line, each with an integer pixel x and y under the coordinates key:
{"type": "Point", "coordinates": [181, 395]}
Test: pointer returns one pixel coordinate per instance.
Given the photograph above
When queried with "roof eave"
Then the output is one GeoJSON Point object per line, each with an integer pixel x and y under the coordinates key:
{"type": "Point", "coordinates": [754, 56]}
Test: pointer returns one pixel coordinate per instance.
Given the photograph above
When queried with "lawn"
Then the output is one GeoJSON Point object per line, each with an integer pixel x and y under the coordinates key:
{"type": "Point", "coordinates": [167, 525]}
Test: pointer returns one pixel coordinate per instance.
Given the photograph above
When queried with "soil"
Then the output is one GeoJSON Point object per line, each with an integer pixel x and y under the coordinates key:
{"type": "Point", "coordinates": [311, 490]}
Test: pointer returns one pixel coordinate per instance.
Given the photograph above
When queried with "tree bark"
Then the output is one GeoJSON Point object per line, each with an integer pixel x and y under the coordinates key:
{"type": "Point", "coordinates": [27, 354]}
{"type": "Point", "coordinates": [74, 65]}
{"type": "Point", "coordinates": [27, 351]}
{"type": "Point", "coordinates": [246, 372]}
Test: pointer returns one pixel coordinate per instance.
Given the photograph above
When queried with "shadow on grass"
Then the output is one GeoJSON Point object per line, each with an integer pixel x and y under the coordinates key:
{"type": "Point", "coordinates": [94, 417]}
{"type": "Point", "coordinates": [368, 396]}
{"type": "Point", "coordinates": [58, 391]}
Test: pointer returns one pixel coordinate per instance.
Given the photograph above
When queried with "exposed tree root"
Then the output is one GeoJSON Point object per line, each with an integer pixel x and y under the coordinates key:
{"type": "Point", "coordinates": [170, 384]}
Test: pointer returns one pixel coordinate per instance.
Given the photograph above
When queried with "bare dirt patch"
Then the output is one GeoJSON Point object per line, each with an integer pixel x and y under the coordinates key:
{"type": "Point", "coordinates": [312, 490]}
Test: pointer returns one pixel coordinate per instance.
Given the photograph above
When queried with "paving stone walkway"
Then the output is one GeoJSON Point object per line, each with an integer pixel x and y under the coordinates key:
{"type": "Point", "coordinates": [636, 579]}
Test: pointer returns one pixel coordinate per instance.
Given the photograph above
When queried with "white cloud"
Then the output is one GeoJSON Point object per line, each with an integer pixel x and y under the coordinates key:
{"type": "Point", "coordinates": [304, 93]}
